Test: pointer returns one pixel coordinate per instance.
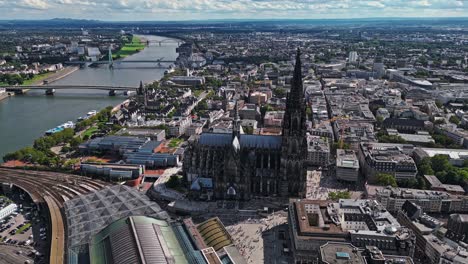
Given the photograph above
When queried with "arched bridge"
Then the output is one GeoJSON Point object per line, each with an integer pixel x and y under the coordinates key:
{"type": "Point", "coordinates": [162, 41]}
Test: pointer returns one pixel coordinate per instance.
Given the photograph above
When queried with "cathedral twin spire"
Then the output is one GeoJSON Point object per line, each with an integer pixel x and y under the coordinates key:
{"type": "Point", "coordinates": [296, 95]}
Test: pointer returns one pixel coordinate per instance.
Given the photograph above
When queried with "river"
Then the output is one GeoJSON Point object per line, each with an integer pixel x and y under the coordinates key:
{"type": "Point", "coordinates": [23, 118]}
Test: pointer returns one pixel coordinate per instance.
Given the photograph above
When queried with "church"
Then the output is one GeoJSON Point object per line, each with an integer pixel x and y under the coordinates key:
{"type": "Point", "coordinates": [239, 166]}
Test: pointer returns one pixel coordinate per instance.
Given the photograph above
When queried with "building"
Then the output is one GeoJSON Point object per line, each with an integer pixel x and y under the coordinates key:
{"type": "Point", "coordinates": [378, 68]}
{"type": "Point", "coordinates": [188, 80]}
{"type": "Point", "coordinates": [177, 127]}
{"type": "Point", "coordinates": [404, 125]}
{"type": "Point", "coordinates": [398, 76]}
{"type": "Point", "coordinates": [318, 151]}
{"type": "Point", "coordinates": [420, 138]}
{"type": "Point", "coordinates": [347, 165]}
{"type": "Point", "coordinates": [346, 253]}
{"type": "Point", "coordinates": [7, 210]}
{"type": "Point", "coordinates": [250, 111]}
{"type": "Point", "coordinates": [457, 227]}
{"type": "Point", "coordinates": [194, 129]}
{"type": "Point", "coordinates": [242, 166]}
{"type": "Point", "coordinates": [113, 172]}
{"type": "Point", "coordinates": [142, 239]}
{"type": "Point", "coordinates": [113, 144]}
{"type": "Point", "coordinates": [273, 119]}
{"type": "Point", "coordinates": [375, 158]}
{"type": "Point", "coordinates": [436, 185]}
{"type": "Point", "coordinates": [361, 223]}
{"type": "Point", "coordinates": [86, 215]}
{"type": "Point", "coordinates": [431, 246]}
{"type": "Point", "coordinates": [153, 134]}
{"type": "Point", "coordinates": [456, 156]}
{"type": "Point", "coordinates": [353, 57]}
{"type": "Point", "coordinates": [136, 239]}
{"type": "Point", "coordinates": [456, 134]}
{"type": "Point", "coordinates": [430, 201]}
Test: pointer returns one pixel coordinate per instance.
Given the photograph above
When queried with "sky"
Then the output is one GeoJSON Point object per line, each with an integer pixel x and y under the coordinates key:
{"type": "Point", "coordinates": [157, 10]}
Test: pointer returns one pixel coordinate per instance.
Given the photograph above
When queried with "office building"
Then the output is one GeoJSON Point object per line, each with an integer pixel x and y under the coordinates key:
{"type": "Point", "coordinates": [347, 165]}
{"type": "Point", "coordinates": [361, 223]}
{"type": "Point", "coordinates": [353, 57]}
{"type": "Point", "coordinates": [376, 158]}
{"type": "Point", "coordinates": [393, 198]}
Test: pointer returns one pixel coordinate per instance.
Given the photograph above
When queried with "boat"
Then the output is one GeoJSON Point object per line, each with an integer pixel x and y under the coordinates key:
{"type": "Point", "coordinates": [68, 124]}
{"type": "Point", "coordinates": [170, 70]}
{"type": "Point", "coordinates": [88, 115]}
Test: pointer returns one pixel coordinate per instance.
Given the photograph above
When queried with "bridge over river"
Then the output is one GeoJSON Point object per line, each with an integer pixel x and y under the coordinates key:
{"type": "Point", "coordinates": [50, 89]}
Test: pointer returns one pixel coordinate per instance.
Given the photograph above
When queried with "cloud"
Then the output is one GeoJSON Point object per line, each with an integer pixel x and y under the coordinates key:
{"type": "Point", "coordinates": [206, 9]}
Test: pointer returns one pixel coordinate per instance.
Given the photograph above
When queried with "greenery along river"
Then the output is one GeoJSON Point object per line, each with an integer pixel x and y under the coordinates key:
{"type": "Point", "coordinates": [24, 118]}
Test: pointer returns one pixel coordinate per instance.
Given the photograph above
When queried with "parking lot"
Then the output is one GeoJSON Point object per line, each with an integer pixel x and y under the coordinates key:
{"type": "Point", "coordinates": [23, 232]}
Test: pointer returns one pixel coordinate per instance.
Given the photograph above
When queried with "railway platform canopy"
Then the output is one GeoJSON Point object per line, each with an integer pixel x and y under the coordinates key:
{"type": "Point", "coordinates": [87, 215]}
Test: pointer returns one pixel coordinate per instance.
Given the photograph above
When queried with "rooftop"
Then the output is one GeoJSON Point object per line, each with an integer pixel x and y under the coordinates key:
{"type": "Point", "coordinates": [340, 253]}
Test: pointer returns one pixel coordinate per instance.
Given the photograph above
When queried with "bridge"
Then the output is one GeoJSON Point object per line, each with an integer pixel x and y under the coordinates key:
{"type": "Point", "coordinates": [50, 89]}
{"type": "Point", "coordinates": [162, 41]}
{"type": "Point", "coordinates": [50, 191]}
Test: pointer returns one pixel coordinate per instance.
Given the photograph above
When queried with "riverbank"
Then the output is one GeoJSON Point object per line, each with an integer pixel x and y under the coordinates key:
{"type": "Point", "coordinates": [135, 46]}
{"type": "Point", "coordinates": [4, 95]}
{"type": "Point", "coordinates": [25, 118]}
{"type": "Point", "coordinates": [53, 76]}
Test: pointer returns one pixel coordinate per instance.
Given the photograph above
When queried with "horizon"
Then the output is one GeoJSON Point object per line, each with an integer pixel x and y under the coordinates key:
{"type": "Point", "coordinates": [195, 10]}
{"type": "Point", "coordinates": [241, 19]}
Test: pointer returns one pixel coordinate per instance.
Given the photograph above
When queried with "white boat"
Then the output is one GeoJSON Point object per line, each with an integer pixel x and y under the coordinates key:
{"type": "Point", "coordinates": [68, 124]}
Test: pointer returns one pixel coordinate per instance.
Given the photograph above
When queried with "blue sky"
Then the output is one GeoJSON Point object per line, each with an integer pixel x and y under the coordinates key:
{"type": "Point", "coordinates": [152, 10]}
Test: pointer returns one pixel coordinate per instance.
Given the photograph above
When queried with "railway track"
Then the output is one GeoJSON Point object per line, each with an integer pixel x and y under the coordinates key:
{"type": "Point", "coordinates": [53, 190]}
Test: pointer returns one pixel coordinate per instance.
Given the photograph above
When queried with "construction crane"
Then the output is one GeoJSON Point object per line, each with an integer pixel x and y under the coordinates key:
{"type": "Point", "coordinates": [333, 119]}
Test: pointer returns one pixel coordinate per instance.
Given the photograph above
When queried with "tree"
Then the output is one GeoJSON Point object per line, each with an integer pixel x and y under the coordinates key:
{"type": "Point", "coordinates": [248, 130]}
{"type": "Point", "coordinates": [173, 182]}
{"type": "Point", "coordinates": [440, 163]}
{"type": "Point", "coordinates": [339, 195]}
{"type": "Point", "coordinates": [454, 120]}
{"type": "Point", "coordinates": [386, 179]}
{"type": "Point", "coordinates": [279, 92]}
{"type": "Point", "coordinates": [75, 142]}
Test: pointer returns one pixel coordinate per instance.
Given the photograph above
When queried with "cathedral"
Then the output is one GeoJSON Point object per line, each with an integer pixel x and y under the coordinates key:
{"type": "Point", "coordinates": [239, 166]}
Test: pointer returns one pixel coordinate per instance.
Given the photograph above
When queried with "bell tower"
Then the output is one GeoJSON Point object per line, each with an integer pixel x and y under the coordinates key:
{"type": "Point", "coordinates": [294, 143]}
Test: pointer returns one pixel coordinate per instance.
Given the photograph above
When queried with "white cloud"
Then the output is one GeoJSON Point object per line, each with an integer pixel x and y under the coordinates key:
{"type": "Point", "coordinates": [207, 9]}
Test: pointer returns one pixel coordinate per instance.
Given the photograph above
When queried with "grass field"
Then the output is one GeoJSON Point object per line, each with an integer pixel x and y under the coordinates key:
{"type": "Point", "coordinates": [197, 93]}
{"type": "Point", "coordinates": [23, 228]}
{"type": "Point", "coordinates": [130, 48]}
{"type": "Point", "coordinates": [90, 131]}
{"type": "Point", "coordinates": [175, 142]}
{"type": "Point", "coordinates": [37, 78]}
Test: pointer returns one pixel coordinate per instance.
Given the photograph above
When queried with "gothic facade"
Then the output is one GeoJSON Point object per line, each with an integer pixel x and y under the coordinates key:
{"type": "Point", "coordinates": [242, 166]}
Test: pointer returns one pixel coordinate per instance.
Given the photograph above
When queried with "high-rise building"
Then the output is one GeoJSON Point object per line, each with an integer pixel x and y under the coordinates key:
{"type": "Point", "coordinates": [353, 57]}
{"type": "Point", "coordinates": [378, 67]}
